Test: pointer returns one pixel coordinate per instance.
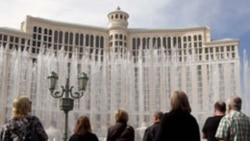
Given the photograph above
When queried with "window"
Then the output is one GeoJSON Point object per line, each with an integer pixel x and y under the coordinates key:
{"type": "Point", "coordinates": [39, 30]}
{"type": "Point", "coordinates": [91, 40]}
{"type": "Point", "coordinates": [71, 38]}
{"type": "Point", "coordinates": [76, 38]}
{"type": "Point", "coordinates": [34, 29]}
{"type": "Point", "coordinates": [87, 40]}
{"type": "Point", "coordinates": [66, 37]}
{"type": "Point", "coordinates": [102, 42]}
{"type": "Point", "coordinates": [55, 36]}
{"type": "Point", "coordinates": [45, 31]}
{"type": "Point", "coordinates": [200, 38]}
{"type": "Point", "coordinates": [184, 38]}
{"type": "Point", "coordinates": [195, 38]}
{"type": "Point", "coordinates": [60, 36]}
{"type": "Point", "coordinates": [97, 41]}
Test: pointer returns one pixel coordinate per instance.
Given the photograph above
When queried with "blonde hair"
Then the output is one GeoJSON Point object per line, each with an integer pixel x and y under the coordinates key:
{"type": "Point", "coordinates": [82, 125]}
{"type": "Point", "coordinates": [179, 101]}
{"type": "Point", "coordinates": [21, 107]}
{"type": "Point", "coordinates": [121, 116]}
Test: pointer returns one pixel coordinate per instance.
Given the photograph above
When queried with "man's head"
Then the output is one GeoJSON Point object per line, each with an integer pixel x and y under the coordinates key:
{"type": "Point", "coordinates": [234, 103]}
{"type": "Point", "coordinates": [157, 116]}
{"type": "Point", "coordinates": [219, 108]}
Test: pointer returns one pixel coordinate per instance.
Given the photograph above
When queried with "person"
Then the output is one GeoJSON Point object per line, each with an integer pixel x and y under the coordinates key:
{"type": "Point", "coordinates": [212, 123]}
{"type": "Point", "coordinates": [121, 131]}
{"type": "Point", "coordinates": [151, 131]}
{"type": "Point", "coordinates": [235, 125]}
{"type": "Point", "coordinates": [22, 123]}
{"type": "Point", "coordinates": [83, 131]}
{"type": "Point", "coordinates": [178, 124]}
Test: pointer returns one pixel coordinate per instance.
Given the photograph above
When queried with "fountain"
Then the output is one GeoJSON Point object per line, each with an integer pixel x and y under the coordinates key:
{"type": "Point", "coordinates": [140, 87]}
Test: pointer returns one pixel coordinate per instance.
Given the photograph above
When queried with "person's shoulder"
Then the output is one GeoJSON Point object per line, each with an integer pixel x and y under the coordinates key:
{"type": "Point", "coordinates": [167, 115]}
{"type": "Point", "coordinates": [93, 136]}
{"type": "Point", "coordinates": [130, 127]}
{"type": "Point", "coordinates": [73, 137]}
{"type": "Point", "coordinates": [212, 118]}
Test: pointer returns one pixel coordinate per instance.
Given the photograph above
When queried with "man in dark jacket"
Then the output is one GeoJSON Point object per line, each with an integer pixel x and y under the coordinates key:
{"type": "Point", "coordinates": [121, 131]}
{"type": "Point", "coordinates": [152, 130]}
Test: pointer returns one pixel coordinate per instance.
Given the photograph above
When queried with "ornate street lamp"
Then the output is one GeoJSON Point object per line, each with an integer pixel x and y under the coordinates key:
{"type": "Point", "coordinates": [67, 96]}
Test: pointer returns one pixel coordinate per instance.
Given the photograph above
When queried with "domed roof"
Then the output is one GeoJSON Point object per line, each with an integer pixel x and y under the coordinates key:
{"type": "Point", "coordinates": [118, 11]}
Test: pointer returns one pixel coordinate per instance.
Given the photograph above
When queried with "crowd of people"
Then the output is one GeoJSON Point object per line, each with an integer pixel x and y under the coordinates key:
{"type": "Point", "coordinates": [229, 123]}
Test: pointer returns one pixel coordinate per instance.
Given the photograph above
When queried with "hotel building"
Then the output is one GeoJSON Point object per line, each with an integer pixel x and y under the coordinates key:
{"type": "Point", "coordinates": [208, 70]}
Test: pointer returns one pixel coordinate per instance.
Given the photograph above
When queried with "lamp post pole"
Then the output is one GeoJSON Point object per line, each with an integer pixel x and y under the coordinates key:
{"type": "Point", "coordinates": [67, 96]}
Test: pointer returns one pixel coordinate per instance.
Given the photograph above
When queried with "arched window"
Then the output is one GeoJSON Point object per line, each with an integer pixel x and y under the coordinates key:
{"type": "Point", "coordinates": [195, 38]}
{"type": "Point", "coordinates": [169, 42]}
{"type": "Point", "coordinates": [164, 42]}
{"type": "Point", "coordinates": [143, 43]}
{"type": "Point", "coordinates": [158, 42]}
{"type": "Point", "coordinates": [66, 37]}
{"type": "Point", "coordinates": [87, 40]}
{"type": "Point", "coordinates": [138, 43]}
{"type": "Point", "coordinates": [154, 42]}
{"type": "Point", "coordinates": [200, 38]}
{"type": "Point", "coordinates": [97, 42]}
{"type": "Point", "coordinates": [91, 41]}
{"type": "Point", "coordinates": [102, 42]}
{"type": "Point", "coordinates": [60, 36]}
{"type": "Point", "coordinates": [134, 43]}
{"type": "Point", "coordinates": [71, 38]}
{"type": "Point", "coordinates": [76, 38]}
{"type": "Point", "coordinates": [34, 29]}
{"type": "Point", "coordinates": [81, 39]}
{"type": "Point", "coordinates": [55, 36]}
{"type": "Point", "coordinates": [179, 42]}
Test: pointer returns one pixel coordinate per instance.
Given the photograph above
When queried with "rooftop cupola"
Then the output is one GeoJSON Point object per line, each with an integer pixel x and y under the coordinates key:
{"type": "Point", "coordinates": [118, 19]}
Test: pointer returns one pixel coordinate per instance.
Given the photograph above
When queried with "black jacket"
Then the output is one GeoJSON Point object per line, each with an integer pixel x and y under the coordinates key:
{"type": "Point", "coordinates": [86, 137]}
{"type": "Point", "coordinates": [151, 131]}
{"type": "Point", "coordinates": [178, 125]}
{"type": "Point", "coordinates": [121, 132]}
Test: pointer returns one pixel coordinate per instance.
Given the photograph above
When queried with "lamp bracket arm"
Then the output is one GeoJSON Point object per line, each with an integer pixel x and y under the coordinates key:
{"type": "Point", "coordinates": [76, 95]}
{"type": "Point", "coordinates": [57, 94]}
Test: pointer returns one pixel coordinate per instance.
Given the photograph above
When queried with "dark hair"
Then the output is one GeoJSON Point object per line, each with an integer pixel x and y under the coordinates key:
{"type": "Point", "coordinates": [82, 125]}
{"type": "Point", "coordinates": [221, 106]}
{"type": "Point", "coordinates": [158, 114]}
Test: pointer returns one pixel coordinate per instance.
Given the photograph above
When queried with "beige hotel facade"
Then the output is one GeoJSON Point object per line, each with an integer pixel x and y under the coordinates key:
{"type": "Point", "coordinates": [213, 63]}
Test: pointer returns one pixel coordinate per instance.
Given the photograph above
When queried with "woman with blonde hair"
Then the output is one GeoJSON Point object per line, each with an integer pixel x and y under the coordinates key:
{"type": "Point", "coordinates": [83, 131]}
{"type": "Point", "coordinates": [178, 124]}
{"type": "Point", "coordinates": [121, 131]}
{"type": "Point", "coordinates": [22, 125]}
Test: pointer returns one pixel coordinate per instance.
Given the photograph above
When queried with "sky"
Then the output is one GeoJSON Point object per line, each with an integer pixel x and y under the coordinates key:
{"type": "Point", "coordinates": [226, 18]}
